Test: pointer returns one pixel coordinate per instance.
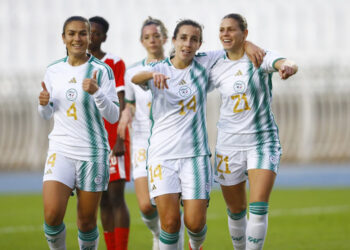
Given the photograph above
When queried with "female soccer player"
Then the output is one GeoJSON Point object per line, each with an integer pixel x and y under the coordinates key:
{"type": "Point", "coordinates": [247, 141]}
{"type": "Point", "coordinates": [113, 208]}
{"type": "Point", "coordinates": [153, 37]}
{"type": "Point", "coordinates": [78, 91]}
{"type": "Point", "coordinates": [178, 154]}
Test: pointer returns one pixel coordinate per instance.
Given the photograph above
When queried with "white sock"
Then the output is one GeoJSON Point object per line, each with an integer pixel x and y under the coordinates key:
{"type": "Point", "coordinates": [237, 224]}
{"type": "Point", "coordinates": [257, 225]}
{"type": "Point", "coordinates": [168, 241]}
{"type": "Point", "coordinates": [152, 222]}
{"type": "Point", "coordinates": [197, 239]}
{"type": "Point", "coordinates": [55, 236]}
{"type": "Point", "coordinates": [88, 240]}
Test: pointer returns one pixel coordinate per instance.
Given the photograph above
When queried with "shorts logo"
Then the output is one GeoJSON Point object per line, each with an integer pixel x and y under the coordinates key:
{"type": "Point", "coordinates": [222, 177]}
{"type": "Point", "coordinates": [71, 94]}
{"type": "Point", "coordinates": [185, 91]}
{"type": "Point", "coordinates": [239, 87]}
{"type": "Point", "coordinates": [98, 179]}
{"type": "Point", "coordinates": [154, 187]}
{"type": "Point", "coordinates": [274, 159]}
{"type": "Point", "coordinates": [49, 171]}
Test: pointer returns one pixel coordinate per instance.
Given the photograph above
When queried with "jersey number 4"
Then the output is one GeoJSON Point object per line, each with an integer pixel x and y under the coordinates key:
{"type": "Point", "coordinates": [72, 111]}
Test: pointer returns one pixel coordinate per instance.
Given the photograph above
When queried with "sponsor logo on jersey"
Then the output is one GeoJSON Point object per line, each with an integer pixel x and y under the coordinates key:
{"type": "Point", "coordinates": [239, 87]}
{"type": "Point", "coordinates": [98, 179]}
{"type": "Point", "coordinates": [274, 159]}
{"type": "Point", "coordinates": [239, 73]}
{"type": "Point", "coordinates": [185, 91]}
{"type": "Point", "coordinates": [73, 80]}
{"type": "Point", "coordinates": [71, 94]}
{"type": "Point", "coordinates": [183, 82]}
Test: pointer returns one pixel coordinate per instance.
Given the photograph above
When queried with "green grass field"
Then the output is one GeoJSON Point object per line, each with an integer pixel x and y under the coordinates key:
{"type": "Point", "coordinates": [299, 219]}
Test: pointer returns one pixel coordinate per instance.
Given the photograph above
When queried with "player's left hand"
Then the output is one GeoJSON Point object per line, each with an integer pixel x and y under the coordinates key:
{"type": "Point", "coordinates": [119, 148]}
{"type": "Point", "coordinates": [254, 53]}
{"type": "Point", "coordinates": [90, 84]}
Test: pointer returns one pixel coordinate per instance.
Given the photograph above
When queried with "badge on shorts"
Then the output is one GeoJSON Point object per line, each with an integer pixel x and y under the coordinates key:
{"type": "Point", "coordinates": [71, 94]}
{"type": "Point", "coordinates": [239, 87]}
{"type": "Point", "coordinates": [185, 91]}
{"type": "Point", "coordinates": [98, 179]}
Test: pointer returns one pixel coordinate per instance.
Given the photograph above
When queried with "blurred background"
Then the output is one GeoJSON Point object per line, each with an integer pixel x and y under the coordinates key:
{"type": "Point", "coordinates": [312, 108]}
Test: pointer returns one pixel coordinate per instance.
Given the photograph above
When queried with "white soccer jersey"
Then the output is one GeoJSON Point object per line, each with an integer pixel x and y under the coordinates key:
{"type": "Point", "coordinates": [178, 114]}
{"type": "Point", "coordinates": [246, 95]}
{"type": "Point", "coordinates": [141, 97]}
{"type": "Point", "coordinates": [78, 130]}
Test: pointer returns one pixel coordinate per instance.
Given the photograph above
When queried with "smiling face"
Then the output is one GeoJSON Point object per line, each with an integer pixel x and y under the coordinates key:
{"type": "Point", "coordinates": [76, 37]}
{"type": "Point", "coordinates": [187, 42]}
{"type": "Point", "coordinates": [231, 36]}
{"type": "Point", "coordinates": [152, 39]}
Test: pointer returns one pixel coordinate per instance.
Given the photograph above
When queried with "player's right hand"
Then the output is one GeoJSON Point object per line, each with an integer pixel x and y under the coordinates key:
{"type": "Point", "coordinates": [44, 96]}
{"type": "Point", "coordinates": [159, 80]}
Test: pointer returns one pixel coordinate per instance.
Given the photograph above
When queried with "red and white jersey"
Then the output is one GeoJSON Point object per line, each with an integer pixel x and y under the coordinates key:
{"type": "Point", "coordinates": [118, 67]}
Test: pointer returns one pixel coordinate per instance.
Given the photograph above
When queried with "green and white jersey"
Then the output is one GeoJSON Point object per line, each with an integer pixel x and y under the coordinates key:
{"type": "Point", "coordinates": [78, 131]}
{"type": "Point", "coordinates": [246, 95]}
{"type": "Point", "coordinates": [178, 114]}
{"type": "Point", "coordinates": [139, 96]}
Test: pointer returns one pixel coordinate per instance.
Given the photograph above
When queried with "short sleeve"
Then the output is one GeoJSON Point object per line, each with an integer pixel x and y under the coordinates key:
{"type": "Point", "coordinates": [129, 90]}
{"type": "Point", "coordinates": [119, 72]}
{"type": "Point", "coordinates": [269, 61]}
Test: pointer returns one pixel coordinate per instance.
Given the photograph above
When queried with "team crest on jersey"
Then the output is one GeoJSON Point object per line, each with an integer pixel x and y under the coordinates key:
{"type": "Point", "coordinates": [71, 94]}
{"type": "Point", "coordinates": [239, 87]}
{"type": "Point", "coordinates": [185, 91]}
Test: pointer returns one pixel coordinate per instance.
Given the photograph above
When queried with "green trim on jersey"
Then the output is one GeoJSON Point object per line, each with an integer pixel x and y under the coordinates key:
{"type": "Point", "coordinates": [109, 70]}
{"type": "Point", "coordinates": [274, 62]}
{"type": "Point", "coordinates": [88, 118]}
{"type": "Point", "coordinates": [142, 62]}
{"type": "Point", "coordinates": [201, 98]}
{"type": "Point", "coordinates": [99, 73]}
{"type": "Point", "coordinates": [151, 128]}
{"type": "Point", "coordinates": [200, 54]}
{"type": "Point", "coordinates": [129, 101]}
{"type": "Point", "coordinates": [117, 103]}
{"type": "Point", "coordinates": [254, 93]}
{"type": "Point", "coordinates": [58, 61]}
{"type": "Point", "coordinates": [167, 60]}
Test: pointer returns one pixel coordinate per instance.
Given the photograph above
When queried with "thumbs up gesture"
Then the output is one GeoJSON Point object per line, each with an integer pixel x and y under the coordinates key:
{"type": "Point", "coordinates": [90, 84]}
{"type": "Point", "coordinates": [44, 96]}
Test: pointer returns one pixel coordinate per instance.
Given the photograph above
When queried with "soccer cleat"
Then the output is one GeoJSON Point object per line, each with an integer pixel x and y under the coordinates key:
{"type": "Point", "coordinates": [190, 248]}
{"type": "Point", "coordinates": [155, 243]}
